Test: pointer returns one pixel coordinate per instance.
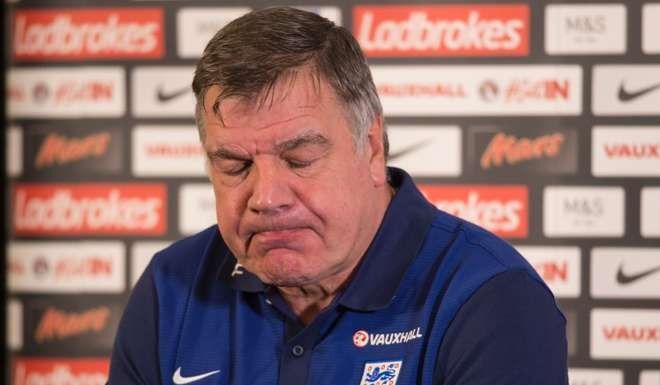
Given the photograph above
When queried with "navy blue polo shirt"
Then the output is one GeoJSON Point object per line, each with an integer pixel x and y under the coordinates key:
{"type": "Point", "coordinates": [434, 300]}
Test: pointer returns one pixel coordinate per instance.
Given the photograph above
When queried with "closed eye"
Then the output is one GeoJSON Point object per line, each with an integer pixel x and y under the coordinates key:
{"type": "Point", "coordinates": [236, 167]}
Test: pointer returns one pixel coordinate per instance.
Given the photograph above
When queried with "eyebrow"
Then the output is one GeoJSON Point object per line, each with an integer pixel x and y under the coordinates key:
{"type": "Point", "coordinates": [224, 153]}
{"type": "Point", "coordinates": [302, 140]}
{"type": "Point", "coordinates": [288, 145]}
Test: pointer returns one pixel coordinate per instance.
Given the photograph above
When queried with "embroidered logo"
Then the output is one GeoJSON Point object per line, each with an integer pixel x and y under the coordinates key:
{"type": "Point", "coordinates": [361, 338]}
{"type": "Point", "coordinates": [238, 270]}
{"type": "Point", "coordinates": [381, 373]}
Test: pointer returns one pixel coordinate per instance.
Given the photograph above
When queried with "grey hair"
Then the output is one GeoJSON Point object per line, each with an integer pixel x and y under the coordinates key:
{"type": "Point", "coordinates": [252, 53]}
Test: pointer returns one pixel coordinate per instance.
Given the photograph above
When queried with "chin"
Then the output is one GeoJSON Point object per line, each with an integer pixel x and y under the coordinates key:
{"type": "Point", "coordinates": [285, 273]}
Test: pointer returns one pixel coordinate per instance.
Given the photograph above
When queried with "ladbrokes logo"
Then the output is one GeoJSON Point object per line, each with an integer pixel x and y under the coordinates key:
{"type": "Point", "coordinates": [443, 30]}
{"type": "Point", "coordinates": [129, 209]}
{"type": "Point", "coordinates": [88, 33]}
{"type": "Point", "coordinates": [629, 333]}
{"type": "Point", "coordinates": [500, 209]}
{"type": "Point", "coordinates": [53, 371]}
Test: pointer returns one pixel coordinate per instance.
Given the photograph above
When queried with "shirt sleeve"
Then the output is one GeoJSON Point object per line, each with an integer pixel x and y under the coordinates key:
{"type": "Point", "coordinates": [134, 357]}
{"type": "Point", "coordinates": [510, 332]}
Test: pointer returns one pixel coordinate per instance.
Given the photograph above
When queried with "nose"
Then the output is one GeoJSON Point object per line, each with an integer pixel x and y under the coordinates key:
{"type": "Point", "coordinates": [271, 193]}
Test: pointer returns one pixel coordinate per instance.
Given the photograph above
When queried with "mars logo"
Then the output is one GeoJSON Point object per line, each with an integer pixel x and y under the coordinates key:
{"type": "Point", "coordinates": [59, 149]}
{"type": "Point", "coordinates": [500, 209]}
{"type": "Point", "coordinates": [361, 338]}
{"type": "Point", "coordinates": [443, 30]}
{"type": "Point", "coordinates": [56, 324]}
{"type": "Point", "coordinates": [514, 150]}
{"type": "Point", "coordinates": [88, 33]}
{"type": "Point", "coordinates": [53, 151]}
{"type": "Point", "coordinates": [60, 371]}
{"type": "Point", "coordinates": [60, 209]}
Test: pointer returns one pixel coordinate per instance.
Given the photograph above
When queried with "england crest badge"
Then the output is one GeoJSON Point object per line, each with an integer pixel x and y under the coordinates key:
{"type": "Point", "coordinates": [381, 373]}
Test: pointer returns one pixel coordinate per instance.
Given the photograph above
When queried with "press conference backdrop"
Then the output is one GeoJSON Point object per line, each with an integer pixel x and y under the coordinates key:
{"type": "Point", "coordinates": [538, 120]}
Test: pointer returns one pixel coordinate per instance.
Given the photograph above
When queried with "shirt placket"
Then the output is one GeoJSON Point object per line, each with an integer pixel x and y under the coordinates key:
{"type": "Point", "coordinates": [299, 340]}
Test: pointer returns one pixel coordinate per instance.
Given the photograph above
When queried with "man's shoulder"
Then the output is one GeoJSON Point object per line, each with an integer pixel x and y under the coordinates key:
{"type": "Point", "coordinates": [478, 243]}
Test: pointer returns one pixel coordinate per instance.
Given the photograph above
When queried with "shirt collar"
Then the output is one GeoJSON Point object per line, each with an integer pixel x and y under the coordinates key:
{"type": "Point", "coordinates": [396, 243]}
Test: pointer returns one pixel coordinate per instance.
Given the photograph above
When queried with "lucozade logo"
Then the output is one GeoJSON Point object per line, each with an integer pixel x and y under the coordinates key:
{"type": "Point", "coordinates": [443, 30]}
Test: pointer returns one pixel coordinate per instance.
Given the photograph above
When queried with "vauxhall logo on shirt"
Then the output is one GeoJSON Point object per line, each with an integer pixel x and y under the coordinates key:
{"type": "Point", "coordinates": [362, 338]}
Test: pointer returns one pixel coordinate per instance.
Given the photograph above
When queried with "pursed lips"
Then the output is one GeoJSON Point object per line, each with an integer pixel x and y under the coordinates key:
{"type": "Point", "coordinates": [274, 237]}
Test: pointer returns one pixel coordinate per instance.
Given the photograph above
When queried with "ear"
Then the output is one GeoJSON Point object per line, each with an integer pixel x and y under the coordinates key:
{"type": "Point", "coordinates": [376, 151]}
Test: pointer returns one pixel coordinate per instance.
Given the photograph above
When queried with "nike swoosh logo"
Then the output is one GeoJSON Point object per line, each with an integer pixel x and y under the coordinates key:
{"type": "Point", "coordinates": [626, 279]}
{"type": "Point", "coordinates": [180, 380]}
{"type": "Point", "coordinates": [626, 96]}
{"type": "Point", "coordinates": [164, 96]}
{"type": "Point", "coordinates": [407, 150]}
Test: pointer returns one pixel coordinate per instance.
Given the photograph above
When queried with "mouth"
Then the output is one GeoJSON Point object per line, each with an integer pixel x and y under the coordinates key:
{"type": "Point", "coordinates": [266, 240]}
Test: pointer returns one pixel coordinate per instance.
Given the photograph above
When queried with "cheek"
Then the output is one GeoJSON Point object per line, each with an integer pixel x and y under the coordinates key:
{"type": "Point", "coordinates": [227, 216]}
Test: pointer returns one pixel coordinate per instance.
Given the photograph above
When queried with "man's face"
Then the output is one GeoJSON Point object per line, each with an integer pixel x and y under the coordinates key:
{"type": "Point", "coordinates": [296, 203]}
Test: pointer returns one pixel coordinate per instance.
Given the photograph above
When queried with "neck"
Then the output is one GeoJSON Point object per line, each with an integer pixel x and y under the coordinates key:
{"type": "Point", "coordinates": [307, 301]}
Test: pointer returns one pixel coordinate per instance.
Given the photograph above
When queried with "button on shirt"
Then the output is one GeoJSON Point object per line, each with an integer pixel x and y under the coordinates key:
{"type": "Point", "coordinates": [435, 300]}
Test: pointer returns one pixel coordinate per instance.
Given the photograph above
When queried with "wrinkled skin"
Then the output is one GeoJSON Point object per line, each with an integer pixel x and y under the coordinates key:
{"type": "Point", "coordinates": [297, 203]}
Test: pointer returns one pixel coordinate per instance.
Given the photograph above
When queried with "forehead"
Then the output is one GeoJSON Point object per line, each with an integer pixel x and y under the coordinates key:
{"type": "Point", "coordinates": [296, 96]}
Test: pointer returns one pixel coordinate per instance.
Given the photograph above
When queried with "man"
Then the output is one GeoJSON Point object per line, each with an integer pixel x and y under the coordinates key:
{"type": "Point", "coordinates": [328, 268]}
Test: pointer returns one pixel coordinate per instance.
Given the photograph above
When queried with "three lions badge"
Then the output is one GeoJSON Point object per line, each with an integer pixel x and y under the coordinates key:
{"type": "Point", "coordinates": [381, 373]}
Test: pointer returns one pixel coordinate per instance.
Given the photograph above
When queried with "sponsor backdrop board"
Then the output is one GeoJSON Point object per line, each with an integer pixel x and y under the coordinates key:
{"type": "Point", "coordinates": [537, 120]}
